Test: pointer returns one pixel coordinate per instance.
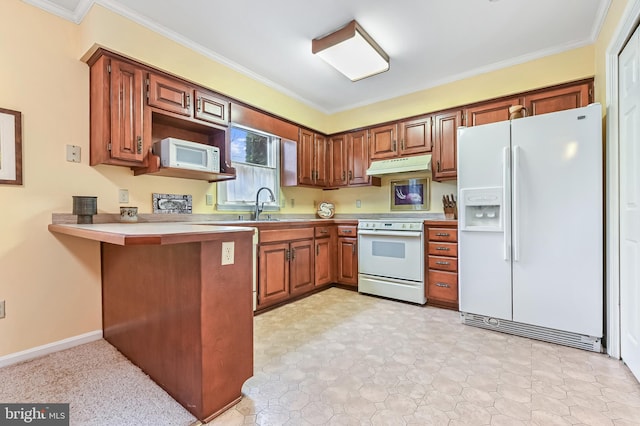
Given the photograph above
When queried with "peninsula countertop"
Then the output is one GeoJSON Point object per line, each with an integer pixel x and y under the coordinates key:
{"type": "Point", "coordinates": [157, 233]}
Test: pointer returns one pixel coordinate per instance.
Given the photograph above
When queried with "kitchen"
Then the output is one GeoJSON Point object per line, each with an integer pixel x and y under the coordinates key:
{"type": "Point", "coordinates": [43, 307]}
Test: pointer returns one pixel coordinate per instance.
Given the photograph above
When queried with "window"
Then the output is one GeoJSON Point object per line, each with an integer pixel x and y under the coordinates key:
{"type": "Point", "coordinates": [254, 154]}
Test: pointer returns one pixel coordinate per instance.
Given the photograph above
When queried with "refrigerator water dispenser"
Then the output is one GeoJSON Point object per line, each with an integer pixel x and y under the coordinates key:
{"type": "Point", "coordinates": [481, 209]}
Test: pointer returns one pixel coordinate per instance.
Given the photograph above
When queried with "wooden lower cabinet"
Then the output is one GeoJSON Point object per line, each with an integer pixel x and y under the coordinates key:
{"type": "Point", "coordinates": [347, 255]}
{"type": "Point", "coordinates": [325, 252]}
{"type": "Point", "coordinates": [286, 264]}
{"type": "Point", "coordinates": [442, 264]}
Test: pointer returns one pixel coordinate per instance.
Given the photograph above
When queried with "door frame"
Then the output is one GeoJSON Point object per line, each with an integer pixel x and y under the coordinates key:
{"type": "Point", "coordinates": [626, 26]}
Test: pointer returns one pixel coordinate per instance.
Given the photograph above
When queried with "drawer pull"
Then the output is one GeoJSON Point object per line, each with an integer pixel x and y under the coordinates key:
{"type": "Point", "coordinates": [440, 262]}
{"type": "Point", "coordinates": [442, 234]}
{"type": "Point", "coordinates": [442, 248]}
{"type": "Point", "coordinates": [346, 231]}
{"type": "Point", "coordinates": [442, 285]}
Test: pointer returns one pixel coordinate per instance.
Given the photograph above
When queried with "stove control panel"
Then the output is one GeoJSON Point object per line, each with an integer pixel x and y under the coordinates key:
{"type": "Point", "coordinates": [390, 225]}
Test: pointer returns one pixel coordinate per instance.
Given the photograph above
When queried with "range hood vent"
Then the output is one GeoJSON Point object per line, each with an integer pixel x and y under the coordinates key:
{"type": "Point", "coordinates": [416, 163]}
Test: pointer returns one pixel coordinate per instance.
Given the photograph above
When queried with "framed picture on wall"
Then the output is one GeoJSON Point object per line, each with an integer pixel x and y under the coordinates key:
{"type": "Point", "coordinates": [410, 194]}
{"type": "Point", "coordinates": [10, 147]}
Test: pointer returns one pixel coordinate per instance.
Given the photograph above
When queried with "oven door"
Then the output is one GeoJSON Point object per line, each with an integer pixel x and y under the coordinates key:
{"type": "Point", "coordinates": [391, 254]}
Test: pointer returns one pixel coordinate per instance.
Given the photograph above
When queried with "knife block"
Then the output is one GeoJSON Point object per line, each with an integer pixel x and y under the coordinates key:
{"type": "Point", "coordinates": [450, 213]}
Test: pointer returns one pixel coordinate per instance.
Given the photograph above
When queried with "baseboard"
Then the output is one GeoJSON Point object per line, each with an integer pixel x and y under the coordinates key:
{"type": "Point", "coordinates": [49, 348]}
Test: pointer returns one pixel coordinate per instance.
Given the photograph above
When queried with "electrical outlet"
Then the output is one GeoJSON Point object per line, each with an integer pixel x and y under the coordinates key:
{"type": "Point", "coordinates": [293, 202]}
{"type": "Point", "coordinates": [358, 204]}
{"type": "Point", "coordinates": [73, 153]}
{"type": "Point", "coordinates": [228, 253]}
{"type": "Point", "coordinates": [1, 309]}
{"type": "Point", "coordinates": [209, 198]}
{"type": "Point", "coordinates": [123, 196]}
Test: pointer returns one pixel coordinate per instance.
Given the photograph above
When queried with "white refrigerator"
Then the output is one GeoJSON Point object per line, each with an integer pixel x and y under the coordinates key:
{"type": "Point", "coordinates": [530, 209]}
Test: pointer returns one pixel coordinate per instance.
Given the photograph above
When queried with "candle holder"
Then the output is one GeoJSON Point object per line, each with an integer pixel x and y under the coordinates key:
{"type": "Point", "coordinates": [85, 207]}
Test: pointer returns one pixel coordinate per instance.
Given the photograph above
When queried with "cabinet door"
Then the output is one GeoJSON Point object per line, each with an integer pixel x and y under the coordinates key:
{"type": "Point", "coordinates": [558, 99]}
{"type": "Point", "coordinates": [348, 261]}
{"type": "Point", "coordinates": [445, 137]}
{"type": "Point", "coordinates": [273, 273]}
{"type": "Point", "coordinates": [383, 142]}
{"type": "Point", "coordinates": [211, 109]}
{"type": "Point", "coordinates": [323, 267]}
{"type": "Point", "coordinates": [301, 269]}
{"type": "Point", "coordinates": [338, 161]}
{"type": "Point", "coordinates": [169, 94]}
{"type": "Point", "coordinates": [358, 158]}
{"type": "Point", "coordinates": [320, 161]}
{"type": "Point", "coordinates": [305, 157]}
{"type": "Point", "coordinates": [490, 112]}
{"type": "Point", "coordinates": [415, 136]}
{"type": "Point", "coordinates": [127, 112]}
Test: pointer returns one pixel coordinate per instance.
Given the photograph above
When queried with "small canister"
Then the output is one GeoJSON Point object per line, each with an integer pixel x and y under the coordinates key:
{"type": "Point", "coordinates": [128, 214]}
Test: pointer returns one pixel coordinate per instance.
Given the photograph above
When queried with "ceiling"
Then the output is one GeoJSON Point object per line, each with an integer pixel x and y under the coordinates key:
{"type": "Point", "coordinates": [430, 42]}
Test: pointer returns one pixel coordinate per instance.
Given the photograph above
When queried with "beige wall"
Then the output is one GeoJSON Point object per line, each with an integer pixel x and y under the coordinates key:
{"type": "Point", "coordinates": [51, 284]}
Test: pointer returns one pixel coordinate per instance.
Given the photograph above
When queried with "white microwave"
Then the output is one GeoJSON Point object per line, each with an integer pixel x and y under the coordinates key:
{"type": "Point", "coordinates": [182, 154]}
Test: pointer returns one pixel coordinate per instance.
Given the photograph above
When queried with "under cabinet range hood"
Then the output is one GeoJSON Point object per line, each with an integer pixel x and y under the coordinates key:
{"type": "Point", "coordinates": [416, 163]}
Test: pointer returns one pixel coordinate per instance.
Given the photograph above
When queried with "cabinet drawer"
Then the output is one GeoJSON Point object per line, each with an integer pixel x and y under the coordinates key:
{"type": "Point", "coordinates": [443, 286]}
{"type": "Point", "coordinates": [443, 263]}
{"type": "Point", "coordinates": [347, 231]}
{"type": "Point", "coordinates": [443, 249]}
{"type": "Point", "coordinates": [443, 234]}
{"type": "Point", "coordinates": [323, 231]}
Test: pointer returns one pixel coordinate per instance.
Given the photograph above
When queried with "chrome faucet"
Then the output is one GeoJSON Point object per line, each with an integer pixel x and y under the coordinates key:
{"type": "Point", "coordinates": [258, 210]}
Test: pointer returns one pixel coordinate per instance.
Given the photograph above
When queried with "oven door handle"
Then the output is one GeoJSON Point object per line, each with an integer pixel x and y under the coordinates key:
{"type": "Point", "coordinates": [390, 233]}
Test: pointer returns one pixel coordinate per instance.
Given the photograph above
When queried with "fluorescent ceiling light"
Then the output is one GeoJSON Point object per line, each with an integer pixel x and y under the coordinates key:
{"type": "Point", "coordinates": [351, 51]}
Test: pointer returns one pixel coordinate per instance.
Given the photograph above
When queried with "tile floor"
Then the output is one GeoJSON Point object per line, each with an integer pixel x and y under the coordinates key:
{"type": "Point", "coordinates": [341, 358]}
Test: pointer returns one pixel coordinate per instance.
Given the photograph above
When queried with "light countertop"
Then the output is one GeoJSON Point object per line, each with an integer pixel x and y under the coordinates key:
{"type": "Point", "coordinates": [147, 233]}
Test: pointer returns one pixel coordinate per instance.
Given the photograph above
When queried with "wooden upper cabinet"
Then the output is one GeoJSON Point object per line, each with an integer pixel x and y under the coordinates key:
{"type": "Point", "coordinates": [170, 94]}
{"type": "Point", "coordinates": [445, 138]}
{"type": "Point", "coordinates": [558, 99]}
{"type": "Point", "coordinates": [181, 98]}
{"type": "Point", "coordinates": [337, 159]}
{"type": "Point", "coordinates": [312, 159]}
{"type": "Point", "coordinates": [383, 141]}
{"type": "Point", "coordinates": [210, 108]}
{"type": "Point", "coordinates": [127, 112]}
{"type": "Point", "coordinates": [306, 151]}
{"type": "Point", "coordinates": [358, 158]}
{"type": "Point", "coordinates": [490, 112]}
{"type": "Point", "coordinates": [415, 136]}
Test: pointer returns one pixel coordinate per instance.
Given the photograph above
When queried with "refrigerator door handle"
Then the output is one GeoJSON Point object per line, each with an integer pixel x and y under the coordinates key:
{"type": "Point", "coordinates": [514, 217]}
{"type": "Point", "coordinates": [506, 235]}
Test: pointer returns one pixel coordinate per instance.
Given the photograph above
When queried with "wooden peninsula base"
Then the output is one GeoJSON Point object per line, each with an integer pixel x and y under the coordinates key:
{"type": "Point", "coordinates": [180, 315]}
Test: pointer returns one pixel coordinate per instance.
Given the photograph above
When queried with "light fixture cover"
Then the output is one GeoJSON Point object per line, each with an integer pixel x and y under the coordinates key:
{"type": "Point", "coordinates": [351, 51]}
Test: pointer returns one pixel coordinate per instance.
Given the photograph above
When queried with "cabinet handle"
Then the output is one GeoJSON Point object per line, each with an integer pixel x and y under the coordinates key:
{"type": "Point", "coordinates": [442, 248]}
{"type": "Point", "coordinates": [323, 231]}
{"type": "Point", "coordinates": [350, 175]}
{"type": "Point", "coordinates": [402, 145]}
{"type": "Point", "coordinates": [353, 249]}
{"type": "Point", "coordinates": [442, 234]}
{"type": "Point", "coordinates": [344, 175]}
{"type": "Point", "coordinates": [287, 255]}
{"type": "Point", "coordinates": [317, 250]}
{"type": "Point", "coordinates": [442, 285]}
{"type": "Point", "coordinates": [139, 144]}
{"type": "Point", "coordinates": [394, 145]}
{"type": "Point", "coordinates": [438, 165]}
{"type": "Point", "coordinates": [347, 231]}
{"type": "Point", "coordinates": [440, 262]}
{"type": "Point", "coordinates": [293, 254]}
{"type": "Point", "coordinates": [199, 104]}
{"type": "Point", "coordinates": [188, 101]}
